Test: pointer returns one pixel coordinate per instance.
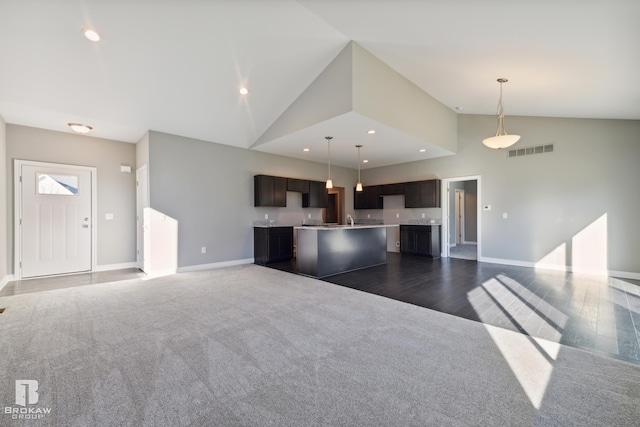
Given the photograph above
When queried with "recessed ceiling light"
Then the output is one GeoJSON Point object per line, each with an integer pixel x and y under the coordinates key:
{"type": "Point", "coordinates": [244, 91]}
{"type": "Point", "coordinates": [305, 149]}
{"type": "Point", "coordinates": [365, 161]}
{"type": "Point", "coordinates": [371, 132]}
{"type": "Point", "coordinates": [458, 108]}
{"type": "Point", "coordinates": [79, 127]}
{"type": "Point", "coordinates": [91, 34]}
{"type": "Point", "coordinates": [422, 150]}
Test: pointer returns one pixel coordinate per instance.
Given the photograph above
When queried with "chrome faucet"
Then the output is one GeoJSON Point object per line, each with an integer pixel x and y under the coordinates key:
{"type": "Point", "coordinates": [350, 219]}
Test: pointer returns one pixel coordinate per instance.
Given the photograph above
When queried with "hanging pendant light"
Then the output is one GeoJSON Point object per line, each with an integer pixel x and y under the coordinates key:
{"type": "Point", "coordinates": [359, 184]}
{"type": "Point", "coordinates": [502, 138]}
{"type": "Point", "coordinates": [329, 182]}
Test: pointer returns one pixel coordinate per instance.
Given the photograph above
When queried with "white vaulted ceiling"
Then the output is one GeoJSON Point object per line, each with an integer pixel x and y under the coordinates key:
{"type": "Point", "coordinates": [176, 66]}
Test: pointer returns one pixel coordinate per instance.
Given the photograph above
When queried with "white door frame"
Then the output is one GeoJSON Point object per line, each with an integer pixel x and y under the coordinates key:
{"type": "Point", "coordinates": [142, 202]}
{"type": "Point", "coordinates": [17, 209]}
{"type": "Point", "coordinates": [444, 228]}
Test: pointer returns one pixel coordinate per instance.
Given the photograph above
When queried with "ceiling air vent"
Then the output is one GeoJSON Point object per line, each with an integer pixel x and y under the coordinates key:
{"type": "Point", "coordinates": [526, 151]}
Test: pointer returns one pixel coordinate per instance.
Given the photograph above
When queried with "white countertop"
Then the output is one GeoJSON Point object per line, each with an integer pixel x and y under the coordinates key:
{"type": "Point", "coordinates": [342, 227]}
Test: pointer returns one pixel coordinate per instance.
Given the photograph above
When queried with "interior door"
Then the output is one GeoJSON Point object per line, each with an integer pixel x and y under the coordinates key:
{"type": "Point", "coordinates": [55, 224]}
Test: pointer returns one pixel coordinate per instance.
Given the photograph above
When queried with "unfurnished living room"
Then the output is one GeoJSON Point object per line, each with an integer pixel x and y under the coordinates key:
{"type": "Point", "coordinates": [331, 213]}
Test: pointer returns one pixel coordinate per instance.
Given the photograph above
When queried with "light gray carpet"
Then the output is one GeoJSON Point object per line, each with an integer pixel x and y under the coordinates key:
{"type": "Point", "coordinates": [254, 346]}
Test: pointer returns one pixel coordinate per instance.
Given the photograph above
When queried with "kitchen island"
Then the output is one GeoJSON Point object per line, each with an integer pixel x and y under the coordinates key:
{"type": "Point", "coordinates": [327, 250]}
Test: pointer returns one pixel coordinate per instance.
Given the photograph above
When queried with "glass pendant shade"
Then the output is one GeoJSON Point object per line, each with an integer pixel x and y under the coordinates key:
{"type": "Point", "coordinates": [359, 186]}
{"type": "Point", "coordinates": [329, 184]}
{"type": "Point", "coordinates": [502, 139]}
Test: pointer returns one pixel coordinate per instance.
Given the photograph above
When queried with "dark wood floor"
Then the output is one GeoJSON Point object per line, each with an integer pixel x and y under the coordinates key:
{"type": "Point", "coordinates": [597, 314]}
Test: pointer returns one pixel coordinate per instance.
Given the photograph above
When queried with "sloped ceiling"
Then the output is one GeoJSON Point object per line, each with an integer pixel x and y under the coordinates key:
{"type": "Point", "coordinates": [176, 66]}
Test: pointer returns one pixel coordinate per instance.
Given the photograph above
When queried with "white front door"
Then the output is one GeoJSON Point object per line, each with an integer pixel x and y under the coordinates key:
{"type": "Point", "coordinates": [55, 219]}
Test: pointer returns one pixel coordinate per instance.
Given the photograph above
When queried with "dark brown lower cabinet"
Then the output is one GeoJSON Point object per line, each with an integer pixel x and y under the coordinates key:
{"type": "Point", "coordinates": [421, 240]}
{"type": "Point", "coordinates": [272, 244]}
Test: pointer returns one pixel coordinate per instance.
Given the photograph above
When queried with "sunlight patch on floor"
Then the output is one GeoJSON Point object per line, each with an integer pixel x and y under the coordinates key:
{"type": "Point", "coordinates": [529, 358]}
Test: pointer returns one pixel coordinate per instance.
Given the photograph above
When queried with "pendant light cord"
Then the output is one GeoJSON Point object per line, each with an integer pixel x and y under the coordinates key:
{"type": "Point", "coordinates": [329, 156]}
{"type": "Point", "coordinates": [359, 162]}
{"type": "Point", "coordinates": [500, 111]}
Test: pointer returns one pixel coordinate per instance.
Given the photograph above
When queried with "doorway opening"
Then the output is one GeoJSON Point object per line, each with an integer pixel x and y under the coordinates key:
{"type": "Point", "coordinates": [334, 213]}
{"type": "Point", "coordinates": [461, 237]}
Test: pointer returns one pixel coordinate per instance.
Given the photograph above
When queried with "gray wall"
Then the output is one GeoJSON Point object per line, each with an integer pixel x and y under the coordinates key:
{"type": "Point", "coordinates": [549, 198]}
{"type": "Point", "coordinates": [5, 246]}
{"type": "Point", "coordinates": [208, 188]}
{"type": "Point", "coordinates": [116, 239]}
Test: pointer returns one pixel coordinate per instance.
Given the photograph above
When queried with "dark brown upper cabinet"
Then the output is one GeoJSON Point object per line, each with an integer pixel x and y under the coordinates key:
{"type": "Point", "coordinates": [270, 191]}
{"type": "Point", "coordinates": [368, 198]}
{"type": "Point", "coordinates": [422, 194]}
{"type": "Point", "coordinates": [391, 189]}
{"type": "Point", "coordinates": [317, 197]}
{"type": "Point", "coordinates": [298, 185]}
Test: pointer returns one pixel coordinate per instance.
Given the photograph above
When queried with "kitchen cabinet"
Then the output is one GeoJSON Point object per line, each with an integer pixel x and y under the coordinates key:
{"type": "Point", "coordinates": [422, 194]}
{"type": "Point", "coordinates": [298, 185]}
{"type": "Point", "coordinates": [391, 189]}
{"type": "Point", "coordinates": [421, 240]}
{"type": "Point", "coordinates": [272, 244]}
{"type": "Point", "coordinates": [269, 191]}
{"type": "Point", "coordinates": [317, 197]}
{"type": "Point", "coordinates": [368, 198]}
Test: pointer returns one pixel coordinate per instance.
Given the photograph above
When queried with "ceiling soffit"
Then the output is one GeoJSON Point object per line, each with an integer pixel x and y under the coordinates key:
{"type": "Point", "coordinates": [358, 82]}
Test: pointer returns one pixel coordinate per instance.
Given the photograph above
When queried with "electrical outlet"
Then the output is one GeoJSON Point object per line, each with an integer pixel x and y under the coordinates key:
{"type": "Point", "coordinates": [309, 216]}
{"type": "Point", "coordinates": [266, 216]}
{"type": "Point", "coordinates": [422, 215]}
{"type": "Point", "coordinates": [204, 249]}
{"type": "Point", "coordinates": [504, 215]}
{"type": "Point", "coordinates": [397, 215]}
{"type": "Point", "coordinates": [368, 215]}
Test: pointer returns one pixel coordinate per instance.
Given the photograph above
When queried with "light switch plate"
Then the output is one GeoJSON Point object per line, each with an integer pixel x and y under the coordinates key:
{"type": "Point", "coordinates": [108, 216]}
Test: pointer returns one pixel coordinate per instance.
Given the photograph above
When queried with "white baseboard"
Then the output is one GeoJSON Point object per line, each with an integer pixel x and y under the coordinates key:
{"type": "Point", "coordinates": [107, 267]}
{"type": "Point", "coordinates": [6, 279]}
{"type": "Point", "coordinates": [565, 268]}
{"type": "Point", "coordinates": [158, 273]}
{"type": "Point", "coordinates": [199, 267]}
